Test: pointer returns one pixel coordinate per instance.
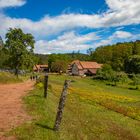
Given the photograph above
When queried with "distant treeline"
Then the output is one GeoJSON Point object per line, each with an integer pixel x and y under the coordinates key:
{"type": "Point", "coordinates": [59, 62]}
{"type": "Point", "coordinates": [121, 56]}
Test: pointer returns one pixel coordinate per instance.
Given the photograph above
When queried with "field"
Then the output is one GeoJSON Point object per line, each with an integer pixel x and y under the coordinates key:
{"type": "Point", "coordinates": [93, 111]}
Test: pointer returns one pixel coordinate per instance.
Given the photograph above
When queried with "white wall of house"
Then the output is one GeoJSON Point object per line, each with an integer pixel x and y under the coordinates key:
{"type": "Point", "coordinates": [81, 72]}
{"type": "Point", "coordinates": [75, 70]}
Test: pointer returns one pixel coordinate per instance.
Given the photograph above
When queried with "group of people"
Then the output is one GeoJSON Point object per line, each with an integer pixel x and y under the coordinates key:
{"type": "Point", "coordinates": [34, 77]}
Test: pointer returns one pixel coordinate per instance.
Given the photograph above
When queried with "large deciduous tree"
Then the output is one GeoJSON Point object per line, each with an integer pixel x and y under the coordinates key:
{"type": "Point", "coordinates": [20, 48]}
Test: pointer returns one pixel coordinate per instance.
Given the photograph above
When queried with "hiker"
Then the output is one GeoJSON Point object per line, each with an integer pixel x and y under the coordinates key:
{"type": "Point", "coordinates": [31, 78]}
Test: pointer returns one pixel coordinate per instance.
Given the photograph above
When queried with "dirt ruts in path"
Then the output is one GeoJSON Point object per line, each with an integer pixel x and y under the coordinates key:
{"type": "Point", "coordinates": [12, 111]}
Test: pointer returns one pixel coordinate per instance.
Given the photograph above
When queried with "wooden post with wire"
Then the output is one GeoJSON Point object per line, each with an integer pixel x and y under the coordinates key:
{"type": "Point", "coordinates": [61, 105]}
{"type": "Point", "coordinates": [45, 85]}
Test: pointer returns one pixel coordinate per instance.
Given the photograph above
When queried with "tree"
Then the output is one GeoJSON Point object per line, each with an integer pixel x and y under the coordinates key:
{"type": "Point", "coordinates": [3, 55]}
{"type": "Point", "coordinates": [90, 51]}
{"type": "Point", "coordinates": [136, 48]}
{"type": "Point", "coordinates": [59, 66]}
{"type": "Point", "coordinates": [132, 65]}
{"type": "Point", "coordinates": [108, 74]}
{"type": "Point", "coordinates": [105, 73]}
{"type": "Point", "coordinates": [136, 80]}
{"type": "Point", "coordinates": [20, 47]}
{"type": "Point", "coordinates": [1, 42]}
{"type": "Point", "coordinates": [122, 77]}
{"type": "Point", "coordinates": [116, 55]}
{"type": "Point", "coordinates": [51, 60]}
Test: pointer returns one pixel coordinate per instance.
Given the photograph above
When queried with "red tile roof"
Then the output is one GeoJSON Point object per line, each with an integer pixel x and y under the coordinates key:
{"type": "Point", "coordinates": [87, 64]}
{"type": "Point", "coordinates": [37, 67]}
{"type": "Point", "coordinates": [93, 71]}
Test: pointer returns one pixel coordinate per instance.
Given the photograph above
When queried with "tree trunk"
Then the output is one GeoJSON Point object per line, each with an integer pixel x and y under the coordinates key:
{"type": "Point", "coordinates": [61, 105]}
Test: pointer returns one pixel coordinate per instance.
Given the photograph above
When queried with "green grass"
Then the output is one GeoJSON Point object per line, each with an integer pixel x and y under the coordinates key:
{"type": "Point", "coordinates": [6, 78]}
{"type": "Point", "coordinates": [93, 111]}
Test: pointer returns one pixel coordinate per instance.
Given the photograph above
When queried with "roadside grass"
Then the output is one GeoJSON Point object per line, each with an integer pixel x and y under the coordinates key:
{"type": "Point", "coordinates": [93, 111]}
{"type": "Point", "coordinates": [6, 78]}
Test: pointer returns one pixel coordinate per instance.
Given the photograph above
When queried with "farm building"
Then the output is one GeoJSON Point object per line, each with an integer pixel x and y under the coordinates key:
{"type": "Point", "coordinates": [83, 68]}
{"type": "Point", "coordinates": [41, 68]}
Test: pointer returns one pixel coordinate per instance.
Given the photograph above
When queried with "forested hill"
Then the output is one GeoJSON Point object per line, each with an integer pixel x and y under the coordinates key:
{"type": "Point", "coordinates": [121, 56]}
{"type": "Point", "coordinates": [43, 59]}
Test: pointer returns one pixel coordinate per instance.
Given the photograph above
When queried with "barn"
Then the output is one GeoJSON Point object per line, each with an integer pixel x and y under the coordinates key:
{"type": "Point", "coordinates": [80, 68]}
{"type": "Point", "coordinates": [41, 68]}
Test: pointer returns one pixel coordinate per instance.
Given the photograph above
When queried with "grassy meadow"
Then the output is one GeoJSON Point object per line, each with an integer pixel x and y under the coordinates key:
{"type": "Point", "coordinates": [93, 111]}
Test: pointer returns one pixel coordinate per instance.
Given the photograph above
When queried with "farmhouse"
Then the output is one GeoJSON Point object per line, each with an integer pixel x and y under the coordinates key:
{"type": "Point", "coordinates": [83, 68]}
{"type": "Point", "coordinates": [40, 68]}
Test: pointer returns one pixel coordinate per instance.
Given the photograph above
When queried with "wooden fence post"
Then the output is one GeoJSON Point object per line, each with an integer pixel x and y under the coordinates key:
{"type": "Point", "coordinates": [45, 85]}
{"type": "Point", "coordinates": [61, 105]}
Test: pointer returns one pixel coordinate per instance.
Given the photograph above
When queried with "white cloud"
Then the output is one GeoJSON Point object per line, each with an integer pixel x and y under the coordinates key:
{"type": "Point", "coordinates": [120, 13]}
{"type": "Point", "coordinates": [11, 3]}
{"type": "Point", "coordinates": [121, 35]}
{"type": "Point", "coordinates": [69, 41]}
{"type": "Point", "coordinates": [117, 36]}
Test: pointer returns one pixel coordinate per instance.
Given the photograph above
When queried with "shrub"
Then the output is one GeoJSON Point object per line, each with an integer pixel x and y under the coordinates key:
{"type": "Point", "coordinates": [108, 74]}
{"type": "Point", "coordinates": [136, 80]}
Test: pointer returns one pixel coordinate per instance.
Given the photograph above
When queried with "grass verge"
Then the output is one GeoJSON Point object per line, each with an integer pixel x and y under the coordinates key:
{"type": "Point", "coordinates": [84, 118]}
{"type": "Point", "coordinates": [6, 78]}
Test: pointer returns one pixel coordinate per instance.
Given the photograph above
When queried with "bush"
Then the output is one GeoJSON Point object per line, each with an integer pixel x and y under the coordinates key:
{"type": "Point", "coordinates": [105, 72]}
{"type": "Point", "coordinates": [108, 74]}
{"type": "Point", "coordinates": [136, 80]}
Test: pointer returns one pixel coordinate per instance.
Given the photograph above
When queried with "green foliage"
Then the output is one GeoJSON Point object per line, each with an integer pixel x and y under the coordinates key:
{"type": "Point", "coordinates": [3, 55]}
{"type": "Point", "coordinates": [108, 74]}
{"type": "Point", "coordinates": [42, 59]}
{"type": "Point", "coordinates": [50, 58]}
{"type": "Point", "coordinates": [122, 77]}
{"type": "Point", "coordinates": [3, 58]}
{"type": "Point", "coordinates": [1, 42]}
{"type": "Point", "coordinates": [59, 66]}
{"type": "Point", "coordinates": [132, 65]}
{"type": "Point", "coordinates": [102, 54]}
{"type": "Point", "coordinates": [117, 55]}
{"type": "Point", "coordinates": [105, 73]}
{"type": "Point", "coordinates": [136, 80]}
{"type": "Point", "coordinates": [20, 48]}
{"type": "Point", "coordinates": [136, 48]}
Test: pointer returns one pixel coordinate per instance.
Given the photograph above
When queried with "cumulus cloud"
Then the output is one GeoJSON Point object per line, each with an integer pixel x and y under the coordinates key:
{"type": "Point", "coordinates": [11, 3]}
{"type": "Point", "coordinates": [121, 35]}
{"type": "Point", "coordinates": [69, 41]}
{"type": "Point", "coordinates": [120, 13]}
{"type": "Point", "coordinates": [116, 36]}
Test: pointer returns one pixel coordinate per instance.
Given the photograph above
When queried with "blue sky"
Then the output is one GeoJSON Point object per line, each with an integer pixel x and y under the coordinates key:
{"type": "Point", "coordinates": [61, 26]}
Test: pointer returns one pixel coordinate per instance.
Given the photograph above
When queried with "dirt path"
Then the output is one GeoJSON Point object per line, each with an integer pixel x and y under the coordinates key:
{"type": "Point", "coordinates": [12, 112]}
